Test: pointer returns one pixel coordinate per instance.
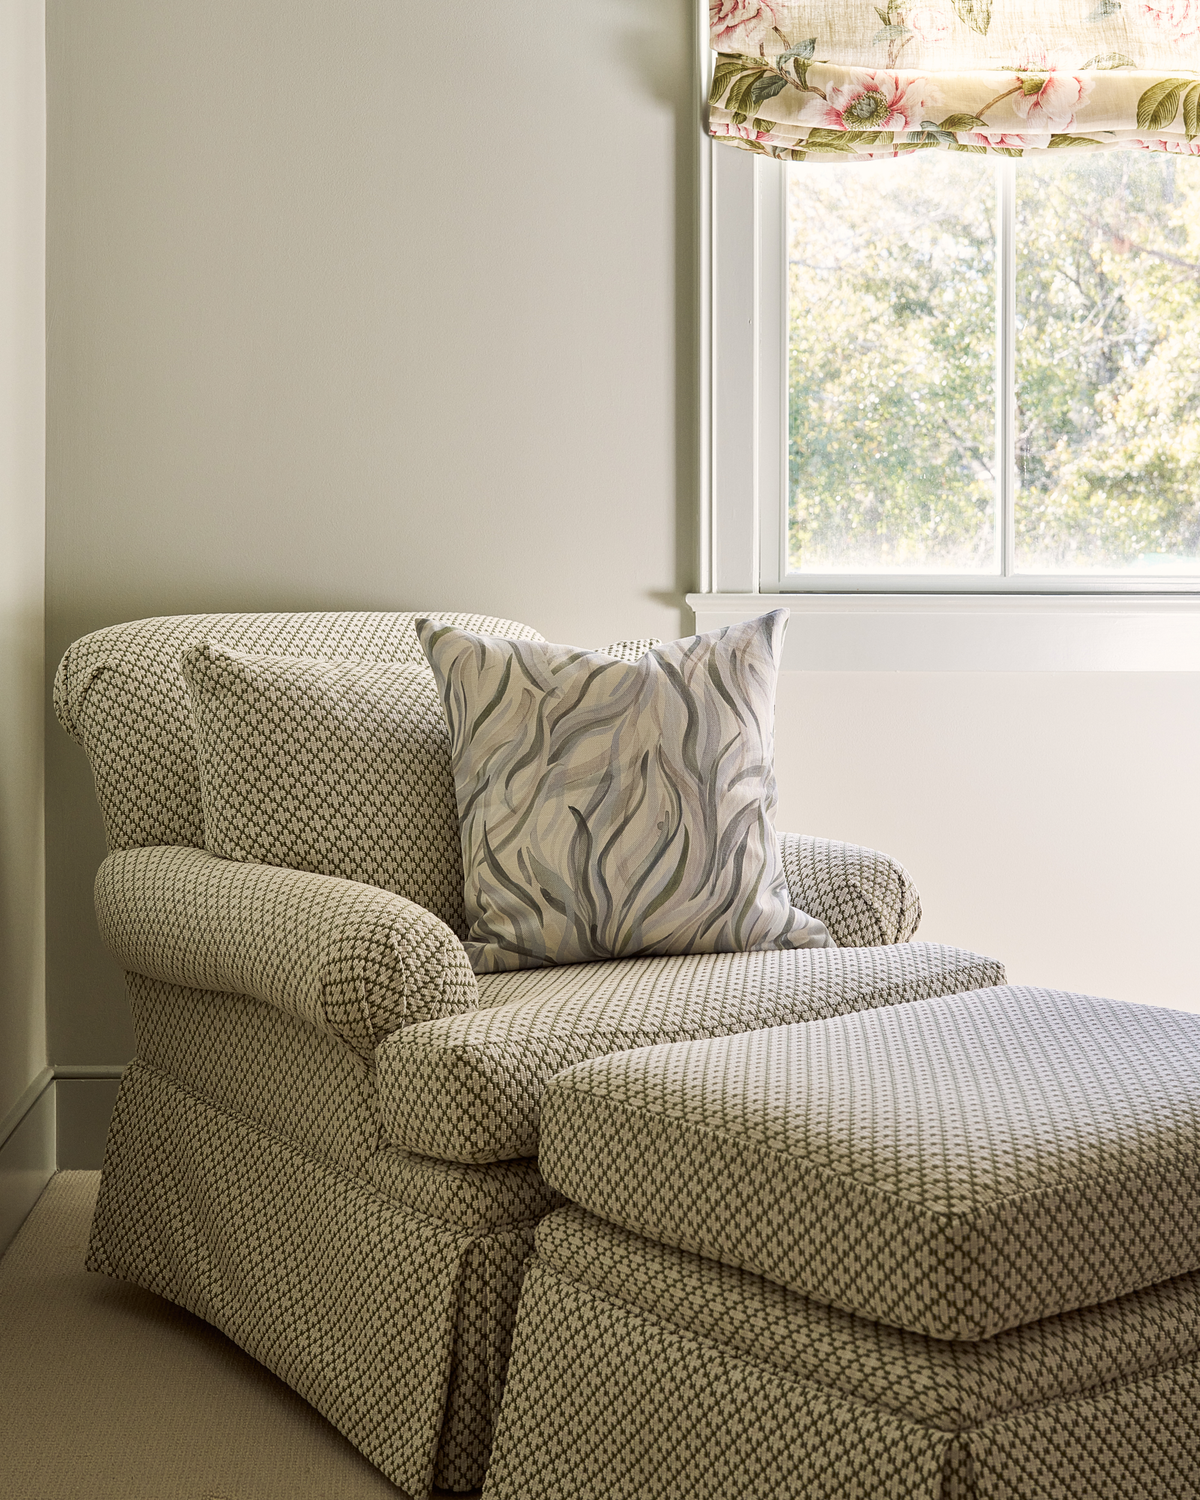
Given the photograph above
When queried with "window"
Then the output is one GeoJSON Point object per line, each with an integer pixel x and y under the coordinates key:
{"type": "Point", "coordinates": [966, 373]}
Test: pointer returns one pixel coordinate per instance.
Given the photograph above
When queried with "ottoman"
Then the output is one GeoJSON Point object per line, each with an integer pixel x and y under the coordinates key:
{"type": "Point", "coordinates": [948, 1250]}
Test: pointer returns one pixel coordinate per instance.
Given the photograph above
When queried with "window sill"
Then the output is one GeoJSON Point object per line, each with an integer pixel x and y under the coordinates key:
{"type": "Point", "coordinates": [972, 632]}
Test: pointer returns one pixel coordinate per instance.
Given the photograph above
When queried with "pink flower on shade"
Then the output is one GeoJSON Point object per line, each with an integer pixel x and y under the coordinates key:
{"type": "Point", "coordinates": [1001, 141]}
{"type": "Point", "coordinates": [1052, 86]}
{"type": "Point", "coordinates": [871, 101]}
{"type": "Point", "coordinates": [743, 132]}
{"type": "Point", "coordinates": [929, 23]}
{"type": "Point", "coordinates": [1179, 19]}
{"type": "Point", "coordinates": [740, 25]}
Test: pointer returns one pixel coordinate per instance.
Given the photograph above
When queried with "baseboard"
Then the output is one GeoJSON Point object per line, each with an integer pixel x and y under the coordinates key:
{"type": "Point", "coordinates": [27, 1155]}
{"type": "Point", "coordinates": [61, 1120]}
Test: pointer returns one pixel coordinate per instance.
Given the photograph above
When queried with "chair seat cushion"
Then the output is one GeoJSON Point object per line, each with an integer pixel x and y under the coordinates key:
{"type": "Point", "coordinates": [956, 1167]}
{"type": "Point", "coordinates": [469, 1087]}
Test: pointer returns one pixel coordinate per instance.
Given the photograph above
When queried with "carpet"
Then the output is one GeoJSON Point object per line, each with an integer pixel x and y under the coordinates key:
{"type": "Point", "coordinates": [109, 1393]}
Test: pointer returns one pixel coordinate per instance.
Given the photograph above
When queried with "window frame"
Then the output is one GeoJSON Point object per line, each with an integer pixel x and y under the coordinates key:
{"type": "Point", "coordinates": [746, 528]}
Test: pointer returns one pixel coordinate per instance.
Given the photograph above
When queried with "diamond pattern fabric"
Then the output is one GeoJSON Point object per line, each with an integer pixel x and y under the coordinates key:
{"type": "Point", "coordinates": [339, 767]}
{"type": "Point", "coordinates": [863, 897]}
{"type": "Point", "coordinates": [244, 1056]}
{"type": "Point", "coordinates": [642, 1369]}
{"type": "Point", "coordinates": [351, 959]}
{"type": "Point", "coordinates": [247, 1176]}
{"type": "Point", "coordinates": [363, 1307]}
{"type": "Point", "coordinates": [469, 1088]}
{"type": "Point", "coordinates": [956, 1167]}
{"type": "Point", "coordinates": [120, 694]}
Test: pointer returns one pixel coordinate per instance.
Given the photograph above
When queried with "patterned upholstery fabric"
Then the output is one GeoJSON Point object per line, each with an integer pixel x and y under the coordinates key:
{"type": "Point", "coordinates": [363, 1307]}
{"type": "Point", "coordinates": [352, 959]}
{"type": "Point", "coordinates": [863, 897]}
{"type": "Point", "coordinates": [956, 1167]}
{"type": "Point", "coordinates": [641, 1369]}
{"type": "Point", "coordinates": [469, 1087]}
{"type": "Point", "coordinates": [120, 694]}
{"type": "Point", "coordinates": [609, 808]}
{"type": "Point", "coordinates": [246, 1057]}
{"type": "Point", "coordinates": [247, 1177]}
{"type": "Point", "coordinates": [339, 767]}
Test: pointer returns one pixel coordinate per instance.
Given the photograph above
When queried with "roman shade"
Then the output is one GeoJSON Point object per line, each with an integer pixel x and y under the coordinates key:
{"type": "Point", "coordinates": [842, 80]}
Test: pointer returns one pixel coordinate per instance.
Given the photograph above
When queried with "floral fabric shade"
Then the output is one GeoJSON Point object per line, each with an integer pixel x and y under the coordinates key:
{"type": "Point", "coordinates": [843, 79]}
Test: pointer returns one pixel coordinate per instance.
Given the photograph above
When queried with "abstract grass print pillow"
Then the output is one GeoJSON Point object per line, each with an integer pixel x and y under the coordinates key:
{"type": "Point", "coordinates": [611, 808]}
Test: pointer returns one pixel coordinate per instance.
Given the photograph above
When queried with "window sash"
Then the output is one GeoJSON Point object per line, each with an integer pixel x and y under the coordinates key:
{"type": "Point", "coordinates": [747, 528]}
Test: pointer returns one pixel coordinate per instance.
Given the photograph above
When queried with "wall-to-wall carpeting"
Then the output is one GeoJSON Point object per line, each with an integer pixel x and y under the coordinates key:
{"type": "Point", "coordinates": [109, 1393]}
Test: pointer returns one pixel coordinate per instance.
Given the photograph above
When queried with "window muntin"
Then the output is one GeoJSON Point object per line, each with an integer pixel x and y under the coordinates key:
{"type": "Point", "coordinates": [941, 427]}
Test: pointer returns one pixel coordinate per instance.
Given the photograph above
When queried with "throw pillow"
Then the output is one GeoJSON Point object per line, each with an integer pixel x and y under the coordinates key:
{"type": "Point", "coordinates": [340, 767]}
{"type": "Point", "coordinates": [612, 808]}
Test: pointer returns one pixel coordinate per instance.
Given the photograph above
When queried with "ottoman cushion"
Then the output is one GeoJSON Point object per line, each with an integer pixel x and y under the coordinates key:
{"type": "Point", "coordinates": [642, 1369]}
{"type": "Point", "coordinates": [955, 1166]}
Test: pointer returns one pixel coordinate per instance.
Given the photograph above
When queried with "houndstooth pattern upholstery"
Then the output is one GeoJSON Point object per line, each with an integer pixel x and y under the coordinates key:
{"type": "Point", "coordinates": [469, 1087]}
{"type": "Point", "coordinates": [639, 1368]}
{"type": "Point", "coordinates": [957, 1166]}
{"type": "Point", "coordinates": [352, 959]}
{"type": "Point", "coordinates": [119, 692]}
{"type": "Point", "coordinates": [863, 897]}
{"type": "Point", "coordinates": [291, 1080]}
{"type": "Point", "coordinates": [338, 767]}
{"type": "Point", "coordinates": [361, 1305]}
{"type": "Point", "coordinates": [247, 1177]}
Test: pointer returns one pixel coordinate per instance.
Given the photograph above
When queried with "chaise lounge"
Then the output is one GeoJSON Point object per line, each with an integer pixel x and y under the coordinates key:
{"type": "Point", "coordinates": [327, 1142]}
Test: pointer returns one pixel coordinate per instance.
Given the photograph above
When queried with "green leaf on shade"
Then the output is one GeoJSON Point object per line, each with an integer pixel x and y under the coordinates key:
{"type": "Point", "coordinates": [1072, 140]}
{"type": "Point", "coordinates": [963, 122]}
{"type": "Point", "coordinates": [723, 75]}
{"type": "Point", "coordinates": [891, 34]}
{"type": "Point", "coordinates": [741, 95]}
{"type": "Point", "coordinates": [801, 49]}
{"type": "Point", "coordinates": [977, 14]}
{"type": "Point", "coordinates": [1159, 105]}
{"type": "Point", "coordinates": [1103, 10]}
{"type": "Point", "coordinates": [1191, 112]}
{"type": "Point", "coordinates": [1107, 60]}
{"type": "Point", "coordinates": [767, 87]}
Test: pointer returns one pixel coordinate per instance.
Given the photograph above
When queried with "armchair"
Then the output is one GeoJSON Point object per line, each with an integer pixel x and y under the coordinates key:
{"type": "Point", "coordinates": [326, 1143]}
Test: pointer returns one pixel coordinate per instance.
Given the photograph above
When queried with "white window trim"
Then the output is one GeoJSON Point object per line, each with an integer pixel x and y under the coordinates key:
{"type": "Point", "coordinates": [965, 623]}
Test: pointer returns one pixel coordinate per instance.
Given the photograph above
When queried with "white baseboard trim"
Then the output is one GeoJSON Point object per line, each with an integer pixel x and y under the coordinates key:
{"type": "Point", "coordinates": [27, 1154]}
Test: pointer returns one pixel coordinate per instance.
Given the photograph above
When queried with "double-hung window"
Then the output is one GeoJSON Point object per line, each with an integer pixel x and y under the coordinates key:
{"type": "Point", "coordinates": [958, 372]}
{"type": "Point", "coordinates": [955, 315]}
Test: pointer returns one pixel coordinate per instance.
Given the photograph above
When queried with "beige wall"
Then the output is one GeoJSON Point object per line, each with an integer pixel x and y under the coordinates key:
{"type": "Point", "coordinates": [1049, 818]}
{"type": "Point", "coordinates": [22, 416]}
{"type": "Point", "coordinates": [27, 1153]}
{"type": "Point", "coordinates": [354, 306]}
{"type": "Point", "coordinates": [348, 314]}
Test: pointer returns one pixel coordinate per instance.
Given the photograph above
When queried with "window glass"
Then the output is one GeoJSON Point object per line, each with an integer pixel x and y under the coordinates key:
{"type": "Point", "coordinates": [1108, 363]}
{"type": "Point", "coordinates": [891, 360]}
{"type": "Point", "coordinates": [893, 280]}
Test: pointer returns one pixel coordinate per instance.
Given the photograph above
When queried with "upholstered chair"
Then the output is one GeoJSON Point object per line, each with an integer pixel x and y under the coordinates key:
{"type": "Point", "coordinates": [326, 1144]}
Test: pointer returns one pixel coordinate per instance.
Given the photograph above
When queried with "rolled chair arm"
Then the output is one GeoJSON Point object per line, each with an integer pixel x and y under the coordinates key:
{"type": "Point", "coordinates": [355, 961]}
{"type": "Point", "coordinates": [863, 897]}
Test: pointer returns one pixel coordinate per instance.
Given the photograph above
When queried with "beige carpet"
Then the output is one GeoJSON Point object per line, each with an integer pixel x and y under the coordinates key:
{"type": "Point", "coordinates": [109, 1393]}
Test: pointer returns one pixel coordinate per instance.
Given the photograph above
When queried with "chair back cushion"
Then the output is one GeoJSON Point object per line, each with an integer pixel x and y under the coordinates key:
{"type": "Point", "coordinates": [336, 767]}
{"type": "Point", "coordinates": [120, 693]}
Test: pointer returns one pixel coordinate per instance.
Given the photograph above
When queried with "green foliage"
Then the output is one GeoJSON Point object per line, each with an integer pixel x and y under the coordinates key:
{"type": "Point", "coordinates": [892, 361]}
{"type": "Point", "coordinates": [1108, 378]}
{"type": "Point", "coordinates": [892, 346]}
